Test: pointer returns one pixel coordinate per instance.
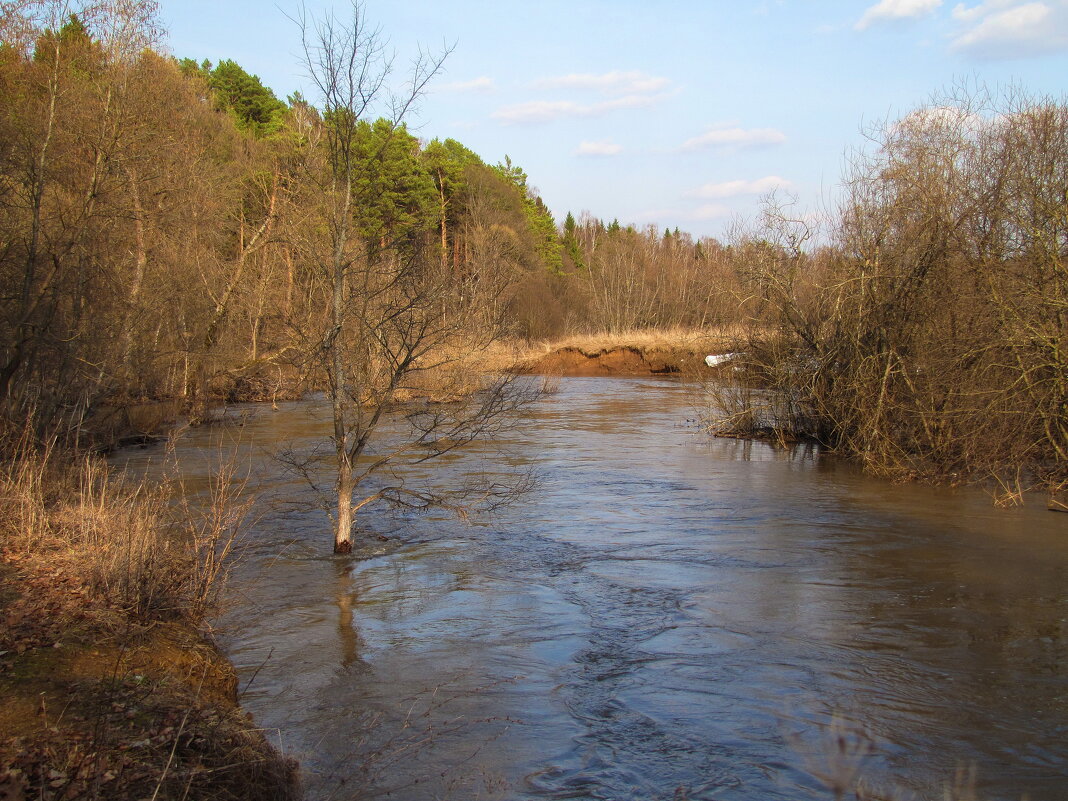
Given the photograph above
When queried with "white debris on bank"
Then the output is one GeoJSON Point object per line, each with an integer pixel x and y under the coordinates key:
{"type": "Point", "coordinates": [716, 359]}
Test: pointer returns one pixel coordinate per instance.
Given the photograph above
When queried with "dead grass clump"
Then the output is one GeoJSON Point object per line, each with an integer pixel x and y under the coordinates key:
{"type": "Point", "coordinates": [746, 399]}
{"type": "Point", "coordinates": [550, 384]}
{"type": "Point", "coordinates": [840, 762]}
{"type": "Point", "coordinates": [442, 383]}
{"type": "Point", "coordinates": [131, 546]}
{"type": "Point", "coordinates": [455, 371]}
{"type": "Point", "coordinates": [499, 356]}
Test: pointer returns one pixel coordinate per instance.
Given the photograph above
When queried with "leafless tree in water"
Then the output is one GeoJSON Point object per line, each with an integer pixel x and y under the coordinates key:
{"type": "Point", "coordinates": [399, 323]}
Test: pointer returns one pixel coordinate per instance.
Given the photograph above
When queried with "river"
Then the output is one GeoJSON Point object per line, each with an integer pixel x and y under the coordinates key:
{"type": "Point", "coordinates": [665, 617]}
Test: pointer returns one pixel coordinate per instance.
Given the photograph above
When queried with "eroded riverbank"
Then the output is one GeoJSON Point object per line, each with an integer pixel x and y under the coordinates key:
{"type": "Point", "coordinates": [637, 353]}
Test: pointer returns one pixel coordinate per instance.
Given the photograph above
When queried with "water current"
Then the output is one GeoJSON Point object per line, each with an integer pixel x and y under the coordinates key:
{"type": "Point", "coordinates": [665, 617]}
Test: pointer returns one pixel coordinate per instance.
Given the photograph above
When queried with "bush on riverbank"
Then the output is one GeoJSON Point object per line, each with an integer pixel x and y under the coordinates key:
{"type": "Point", "coordinates": [110, 689]}
{"type": "Point", "coordinates": [930, 339]}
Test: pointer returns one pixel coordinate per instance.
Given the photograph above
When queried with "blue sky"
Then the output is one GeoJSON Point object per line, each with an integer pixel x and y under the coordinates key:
{"type": "Point", "coordinates": [679, 113]}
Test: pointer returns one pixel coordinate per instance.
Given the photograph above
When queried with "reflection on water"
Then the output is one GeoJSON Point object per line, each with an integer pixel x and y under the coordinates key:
{"type": "Point", "coordinates": [664, 612]}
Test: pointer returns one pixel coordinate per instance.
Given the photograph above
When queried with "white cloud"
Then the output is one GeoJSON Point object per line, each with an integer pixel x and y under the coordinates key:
{"type": "Point", "coordinates": [998, 29]}
{"type": "Point", "coordinates": [936, 119]}
{"type": "Point", "coordinates": [480, 84]}
{"type": "Point", "coordinates": [760, 186]}
{"type": "Point", "coordinates": [604, 147]}
{"type": "Point", "coordinates": [888, 10]}
{"type": "Point", "coordinates": [735, 137]}
{"type": "Point", "coordinates": [976, 13]}
{"type": "Point", "coordinates": [620, 90]}
{"type": "Point", "coordinates": [537, 111]}
{"type": "Point", "coordinates": [612, 83]}
{"type": "Point", "coordinates": [710, 211]}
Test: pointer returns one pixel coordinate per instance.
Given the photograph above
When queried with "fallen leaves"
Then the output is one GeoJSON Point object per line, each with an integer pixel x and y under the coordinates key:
{"type": "Point", "coordinates": [48, 605]}
{"type": "Point", "coordinates": [125, 738]}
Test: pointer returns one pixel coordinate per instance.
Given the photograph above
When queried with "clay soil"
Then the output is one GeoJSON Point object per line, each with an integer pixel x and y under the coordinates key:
{"type": "Point", "coordinates": [616, 361]}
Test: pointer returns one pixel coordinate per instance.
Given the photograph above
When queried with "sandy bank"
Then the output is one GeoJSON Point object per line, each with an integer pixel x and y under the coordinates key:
{"type": "Point", "coordinates": [110, 685]}
{"type": "Point", "coordinates": [618, 361]}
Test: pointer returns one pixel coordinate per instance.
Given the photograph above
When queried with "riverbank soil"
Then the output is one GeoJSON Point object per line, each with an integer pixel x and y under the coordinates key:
{"type": "Point", "coordinates": [97, 705]}
{"type": "Point", "coordinates": [627, 354]}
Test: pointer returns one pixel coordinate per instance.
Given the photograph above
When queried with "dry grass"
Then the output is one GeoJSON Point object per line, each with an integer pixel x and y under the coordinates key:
{"type": "Point", "coordinates": [454, 372]}
{"type": "Point", "coordinates": [708, 340]}
{"type": "Point", "coordinates": [499, 356]}
{"type": "Point", "coordinates": [840, 762]}
{"type": "Point", "coordinates": [137, 550]}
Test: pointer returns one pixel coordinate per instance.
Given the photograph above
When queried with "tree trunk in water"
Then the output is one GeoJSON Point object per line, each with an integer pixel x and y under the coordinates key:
{"type": "Point", "coordinates": [343, 532]}
{"type": "Point", "coordinates": [338, 375]}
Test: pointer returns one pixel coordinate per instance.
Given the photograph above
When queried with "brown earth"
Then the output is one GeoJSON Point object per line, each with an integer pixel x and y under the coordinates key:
{"type": "Point", "coordinates": [617, 361]}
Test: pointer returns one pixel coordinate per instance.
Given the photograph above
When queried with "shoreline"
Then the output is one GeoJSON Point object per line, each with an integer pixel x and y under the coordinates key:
{"type": "Point", "coordinates": [620, 360]}
{"type": "Point", "coordinates": [97, 705]}
{"type": "Point", "coordinates": [112, 685]}
{"type": "Point", "coordinates": [99, 700]}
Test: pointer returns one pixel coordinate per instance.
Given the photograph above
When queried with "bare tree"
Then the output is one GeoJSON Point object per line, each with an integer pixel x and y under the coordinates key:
{"type": "Point", "coordinates": [68, 134]}
{"type": "Point", "coordinates": [396, 319]}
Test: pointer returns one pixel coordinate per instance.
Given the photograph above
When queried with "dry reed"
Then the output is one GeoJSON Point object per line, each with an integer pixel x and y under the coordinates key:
{"type": "Point", "coordinates": [109, 580]}
{"type": "Point", "coordinates": [136, 548]}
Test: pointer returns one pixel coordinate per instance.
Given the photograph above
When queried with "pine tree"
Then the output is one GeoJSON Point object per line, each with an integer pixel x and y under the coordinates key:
{"type": "Point", "coordinates": [254, 106]}
{"type": "Point", "coordinates": [539, 218]}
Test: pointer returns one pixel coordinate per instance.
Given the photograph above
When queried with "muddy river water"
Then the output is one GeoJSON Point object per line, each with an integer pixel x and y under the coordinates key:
{"type": "Point", "coordinates": [664, 617]}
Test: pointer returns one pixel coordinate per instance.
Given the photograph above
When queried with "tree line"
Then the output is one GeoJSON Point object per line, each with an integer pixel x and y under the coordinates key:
{"type": "Point", "coordinates": [172, 230]}
{"type": "Point", "coordinates": [153, 212]}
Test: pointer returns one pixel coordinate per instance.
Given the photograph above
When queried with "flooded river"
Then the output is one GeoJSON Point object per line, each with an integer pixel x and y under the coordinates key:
{"type": "Point", "coordinates": [665, 617]}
